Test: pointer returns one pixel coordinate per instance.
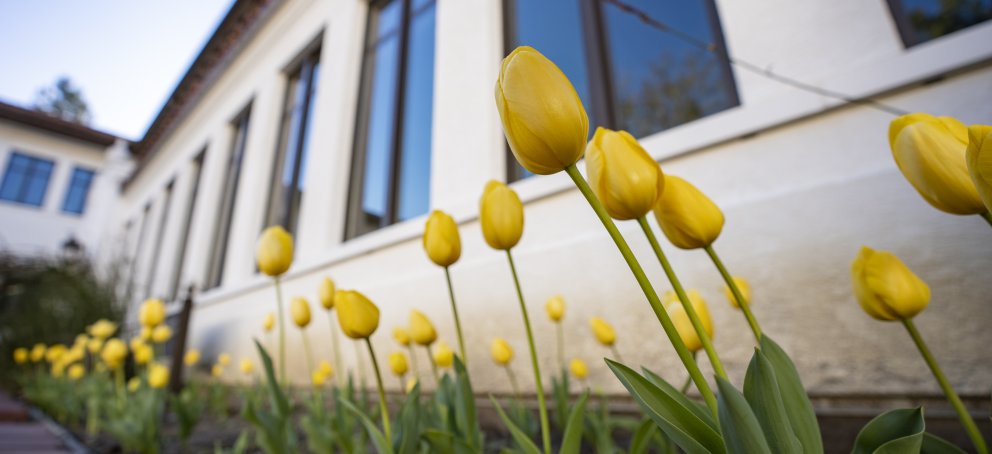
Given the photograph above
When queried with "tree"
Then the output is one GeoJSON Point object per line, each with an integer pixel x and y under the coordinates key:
{"type": "Point", "coordinates": [64, 101]}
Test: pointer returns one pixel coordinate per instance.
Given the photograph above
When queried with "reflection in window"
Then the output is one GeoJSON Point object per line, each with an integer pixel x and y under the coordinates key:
{"type": "Point", "coordinates": [629, 75]}
{"type": "Point", "coordinates": [79, 189]}
{"type": "Point", "coordinates": [225, 212]}
{"type": "Point", "coordinates": [391, 167]}
{"type": "Point", "coordinates": [26, 179]}
{"type": "Point", "coordinates": [291, 157]}
{"type": "Point", "coordinates": [922, 20]}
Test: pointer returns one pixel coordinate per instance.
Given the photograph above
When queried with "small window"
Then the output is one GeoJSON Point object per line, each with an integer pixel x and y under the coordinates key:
{"type": "Point", "coordinates": [391, 168]}
{"type": "Point", "coordinates": [229, 191]}
{"type": "Point", "coordinates": [78, 191]}
{"type": "Point", "coordinates": [920, 21]}
{"type": "Point", "coordinates": [26, 179]}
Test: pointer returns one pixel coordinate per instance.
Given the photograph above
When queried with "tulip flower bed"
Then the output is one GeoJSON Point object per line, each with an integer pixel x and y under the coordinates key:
{"type": "Point", "coordinates": [546, 127]}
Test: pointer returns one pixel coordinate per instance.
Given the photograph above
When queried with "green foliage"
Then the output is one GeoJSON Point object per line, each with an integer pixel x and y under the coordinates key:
{"type": "Point", "coordinates": [895, 431]}
{"type": "Point", "coordinates": [188, 406]}
{"type": "Point", "coordinates": [273, 424]}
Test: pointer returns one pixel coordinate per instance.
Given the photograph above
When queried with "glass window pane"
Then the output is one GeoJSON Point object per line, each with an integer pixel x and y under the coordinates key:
{"type": "Point", "coordinates": [13, 178]}
{"type": "Point", "coordinates": [658, 80]}
{"type": "Point", "coordinates": [78, 190]}
{"type": "Point", "coordinates": [388, 18]}
{"type": "Point", "coordinates": [379, 139]}
{"type": "Point", "coordinates": [415, 157]}
{"type": "Point", "coordinates": [222, 229]}
{"type": "Point", "coordinates": [922, 20]}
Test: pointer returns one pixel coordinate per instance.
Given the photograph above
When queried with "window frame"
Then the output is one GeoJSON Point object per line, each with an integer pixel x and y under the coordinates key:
{"type": "Point", "coordinates": [221, 235]}
{"type": "Point", "coordinates": [906, 35]}
{"type": "Point", "coordinates": [32, 161]}
{"type": "Point", "coordinates": [86, 194]}
{"type": "Point", "coordinates": [180, 258]}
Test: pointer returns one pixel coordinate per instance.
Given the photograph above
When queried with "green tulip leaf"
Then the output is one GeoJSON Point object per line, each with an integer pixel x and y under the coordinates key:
{"type": "Point", "coordinates": [899, 430]}
{"type": "Point", "coordinates": [933, 444]}
{"type": "Point", "coordinates": [670, 412]}
{"type": "Point", "coordinates": [519, 436]}
{"type": "Point", "coordinates": [444, 442]}
{"type": "Point", "coordinates": [279, 400]}
{"type": "Point", "coordinates": [697, 408]}
{"type": "Point", "coordinates": [741, 431]}
{"type": "Point", "coordinates": [571, 441]}
{"type": "Point", "coordinates": [467, 415]}
{"type": "Point", "coordinates": [378, 438]}
{"type": "Point", "coordinates": [642, 437]}
{"type": "Point", "coordinates": [409, 419]}
{"type": "Point", "coordinates": [761, 390]}
{"type": "Point", "coordinates": [794, 398]}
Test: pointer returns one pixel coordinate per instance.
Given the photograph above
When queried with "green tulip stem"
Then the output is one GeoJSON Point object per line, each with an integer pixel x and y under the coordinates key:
{"type": "Point", "coordinates": [952, 397]}
{"type": "Point", "coordinates": [458, 323]}
{"type": "Point", "coordinates": [635, 267]}
{"type": "Point", "coordinates": [306, 350]}
{"type": "Point", "coordinates": [430, 356]}
{"type": "Point", "coordinates": [688, 380]}
{"type": "Point", "coordinates": [988, 217]}
{"type": "Point", "coordinates": [119, 384]}
{"type": "Point", "coordinates": [690, 310]}
{"type": "Point", "coordinates": [545, 431]}
{"type": "Point", "coordinates": [361, 372]}
{"type": "Point", "coordinates": [738, 295]}
{"type": "Point", "coordinates": [616, 353]}
{"type": "Point", "coordinates": [336, 347]}
{"type": "Point", "coordinates": [513, 381]}
{"type": "Point", "coordinates": [413, 360]}
{"type": "Point", "coordinates": [382, 392]}
{"type": "Point", "coordinates": [561, 344]}
{"type": "Point", "coordinates": [282, 333]}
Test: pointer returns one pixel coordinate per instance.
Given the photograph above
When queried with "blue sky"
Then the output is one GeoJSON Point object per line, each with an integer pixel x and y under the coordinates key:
{"type": "Point", "coordinates": [126, 55]}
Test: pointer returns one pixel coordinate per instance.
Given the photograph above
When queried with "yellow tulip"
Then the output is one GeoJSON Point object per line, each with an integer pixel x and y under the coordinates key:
{"type": "Point", "coordinates": [113, 353]}
{"type": "Point", "coordinates": [358, 316]}
{"type": "Point", "coordinates": [623, 176]}
{"type": "Point", "coordinates": [410, 384]}
{"type": "Point", "coordinates": [688, 218]}
{"type": "Point", "coordinates": [501, 215]}
{"type": "Point", "coordinates": [247, 367]}
{"type": "Point", "coordinates": [326, 293]}
{"type": "Point", "coordinates": [81, 339]}
{"type": "Point", "coordinates": [94, 345]}
{"type": "Point", "coordinates": [217, 370]}
{"type": "Point", "coordinates": [76, 353]}
{"type": "Point", "coordinates": [979, 160]}
{"type": "Point", "coordinates": [21, 355]}
{"type": "Point", "coordinates": [143, 354]}
{"type": "Point", "coordinates": [680, 318]}
{"type": "Point", "coordinates": [76, 371]}
{"type": "Point", "coordinates": [886, 288]}
{"type": "Point", "coordinates": [158, 376]}
{"type": "Point", "coordinates": [745, 289]}
{"type": "Point", "coordinates": [152, 313]}
{"type": "Point", "coordinates": [579, 368]}
{"type": "Point", "coordinates": [136, 342]}
{"type": "Point", "coordinates": [555, 307]}
{"type": "Point", "coordinates": [501, 351]}
{"type": "Point", "coordinates": [318, 378]}
{"type": "Point", "coordinates": [603, 331]}
{"type": "Point", "coordinates": [274, 251]}
{"type": "Point", "coordinates": [102, 329]}
{"type": "Point", "coordinates": [191, 358]}
{"type": "Point", "coordinates": [224, 359]}
{"type": "Point", "coordinates": [441, 240]}
{"type": "Point", "coordinates": [299, 310]}
{"type": "Point", "coordinates": [325, 368]}
{"type": "Point", "coordinates": [397, 362]}
{"type": "Point", "coordinates": [930, 152]}
{"type": "Point", "coordinates": [402, 336]}
{"type": "Point", "coordinates": [133, 384]}
{"type": "Point", "coordinates": [421, 329]}
{"type": "Point", "coordinates": [161, 334]}
{"type": "Point", "coordinates": [269, 322]}
{"type": "Point", "coordinates": [38, 352]}
{"type": "Point", "coordinates": [146, 333]}
{"type": "Point", "coordinates": [53, 353]}
{"type": "Point", "coordinates": [543, 117]}
{"type": "Point", "coordinates": [443, 356]}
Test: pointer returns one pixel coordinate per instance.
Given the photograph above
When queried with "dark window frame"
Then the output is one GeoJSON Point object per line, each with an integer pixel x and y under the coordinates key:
{"type": "Point", "coordinates": [229, 188]}
{"type": "Point", "coordinates": [22, 198]}
{"type": "Point", "coordinates": [73, 186]}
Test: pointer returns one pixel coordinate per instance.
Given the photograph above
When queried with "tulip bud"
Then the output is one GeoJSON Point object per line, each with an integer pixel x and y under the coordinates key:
{"type": "Point", "coordinates": [216, 371]}
{"type": "Point", "coordinates": [299, 310]}
{"type": "Point", "coordinates": [357, 316]}
{"type": "Point", "coordinates": [443, 356]}
{"type": "Point", "coordinates": [133, 384]}
{"type": "Point", "coordinates": [441, 239]}
{"type": "Point", "coordinates": [502, 216]}
{"type": "Point", "coordinates": [94, 345]}
{"type": "Point", "coordinates": [930, 153]}
{"type": "Point", "coordinates": [979, 159]}
{"type": "Point", "coordinates": [247, 367]}
{"type": "Point", "coordinates": [143, 354]}
{"type": "Point", "coordinates": [543, 118]}
{"type": "Point", "coordinates": [402, 336]}
{"type": "Point", "coordinates": [224, 359]}
{"type": "Point", "coordinates": [136, 342]}
{"type": "Point", "coordinates": [191, 358]}
{"type": "Point", "coordinates": [688, 218]}
{"type": "Point", "coordinates": [274, 251]}
{"type": "Point", "coordinates": [421, 329]}
{"type": "Point", "coordinates": [680, 318]}
{"type": "Point", "coordinates": [579, 368]}
{"type": "Point", "coordinates": [76, 371]}
{"type": "Point", "coordinates": [21, 355]}
{"type": "Point", "coordinates": [113, 353]}
{"type": "Point", "coordinates": [325, 368]}
{"type": "Point", "coordinates": [410, 384]}
{"type": "Point", "coordinates": [38, 352]}
{"type": "Point", "coordinates": [397, 362]}
{"type": "Point", "coordinates": [152, 313]}
{"type": "Point", "coordinates": [161, 334]}
{"type": "Point", "coordinates": [886, 288]}
{"type": "Point", "coordinates": [54, 353]}
{"type": "Point", "coordinates": [326, 293]}
{"type": "Point", "coordinates": [146, 333]}
{"type": "Point", "coordinates": [555, 307]}
{"type": "Point", "coordinates": [102, 329]}
{"type": "Point", "coordinates": [623, 176]}
{"type": "Point", "coordinates": [269, 322]}
{"type": "Point", "coordinates": [745, 289]}
{"type": "Point", "coordinates": [158, 376]}
{"type": "Point", "coordinates": [603, 331]}
{"type": "Point", "coordinates": [501, 351]}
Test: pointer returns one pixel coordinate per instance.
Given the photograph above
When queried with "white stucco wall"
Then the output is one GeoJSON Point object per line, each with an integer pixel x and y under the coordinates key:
{"type": "Point", "coordinates": [803, 181]}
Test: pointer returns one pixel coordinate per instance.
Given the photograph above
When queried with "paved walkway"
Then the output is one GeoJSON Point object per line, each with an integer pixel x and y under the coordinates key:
{"type": "Point", "coordinates": [21, 434]}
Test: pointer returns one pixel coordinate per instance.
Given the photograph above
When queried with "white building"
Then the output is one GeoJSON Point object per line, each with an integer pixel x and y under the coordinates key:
{"type": "Point", "coordinates": [347, 120]}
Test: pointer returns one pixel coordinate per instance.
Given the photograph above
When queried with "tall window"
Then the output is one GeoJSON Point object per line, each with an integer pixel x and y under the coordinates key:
{"type": "Point", "coordinates": [630, 75]}
{"type": "Point", "coordinates": [391, 168]}
{"type": "Point", "coordinates": [291, 157]}
{"type": "Point", "coordinates": [163, 219]}
{"type": "Point", "coordinates": [177, 269]}
{"type": "Point", "coordinates": [225, 212]}
{"type": "Point", "coordinates": [79, 189]}
{"type": "Point", "coordinates": [920, 21]}
{"type": "Point", "coordinates": [26, 179]}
